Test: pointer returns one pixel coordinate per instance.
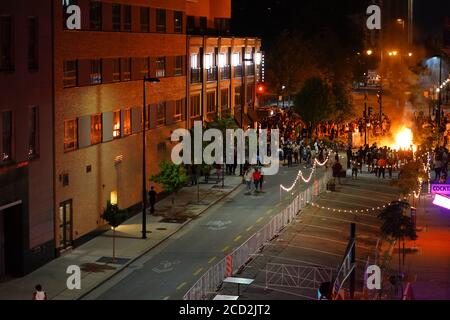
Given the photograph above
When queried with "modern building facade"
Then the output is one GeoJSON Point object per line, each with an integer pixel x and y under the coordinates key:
{"type": "Point", "coordinates": [93, 84]}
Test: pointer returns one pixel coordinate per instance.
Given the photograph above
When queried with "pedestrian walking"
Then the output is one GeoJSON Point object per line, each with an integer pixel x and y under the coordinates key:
{"type": "Point", "coordinates": [39, 293]}
{"type": "Point", "coordinates": [248, 178]}
{"type": "Point", "coordinates": [256, 178]}
{"type": "Point", "coordinates": [261, 179]}
{"type": "Point", "coordinates": [355, 168]}
{"type": "Point", "coordinates": [152, 199]}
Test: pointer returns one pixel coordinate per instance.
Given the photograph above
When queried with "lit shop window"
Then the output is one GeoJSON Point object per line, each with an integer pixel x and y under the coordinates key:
{"type": "Point", "coordinates": [96, 128]}
{"type": "Point", "coordinates": [127, 122]}
{"type": "Point", "coordinates": [70, 135]}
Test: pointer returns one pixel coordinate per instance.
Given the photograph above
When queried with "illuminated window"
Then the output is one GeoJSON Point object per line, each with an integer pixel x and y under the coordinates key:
{"type": "Point", "coordinates": [70, 135]}
{"type": "Point", "coordinates": [161, 67]}
{"type": "Point", "coordinates": [236, 59]}
{"type": "Point", "coordinates": [237, 96]}
{"type": "Point", "coordinates": [113, 197]}
{"type": "Point", "coordinates": [127, 122]}
{"type": "Point", "coordinates": [96, 128]}
{"type": "Point", "coordinates": [194, 61]}
{"type": "Point", "coordinates": [116, 124]}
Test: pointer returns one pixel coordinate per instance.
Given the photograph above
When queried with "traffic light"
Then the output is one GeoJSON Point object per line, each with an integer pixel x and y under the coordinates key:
{"type": "Point", "coordinates": [261, 88]}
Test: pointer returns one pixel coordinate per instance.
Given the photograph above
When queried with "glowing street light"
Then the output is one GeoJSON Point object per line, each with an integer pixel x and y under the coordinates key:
{"type": "Point", "coordinates": [369, 52]}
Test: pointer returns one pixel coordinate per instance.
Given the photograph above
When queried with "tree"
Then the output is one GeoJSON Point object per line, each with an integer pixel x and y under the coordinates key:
{"type": "Point", "coordinates": [172, 177]}
{"type": "Point", "coordinates": [115, 217]}
{"type": "Point", "coordinates": [314, 102]}
{"type": "Point", "coordinates": [397, 225]}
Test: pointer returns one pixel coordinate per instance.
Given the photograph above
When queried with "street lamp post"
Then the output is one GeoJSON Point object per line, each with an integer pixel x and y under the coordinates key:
{"type": "Point", "coordinates": [244, 71]}
{"type": "Point", "coordinates": [144, 175]}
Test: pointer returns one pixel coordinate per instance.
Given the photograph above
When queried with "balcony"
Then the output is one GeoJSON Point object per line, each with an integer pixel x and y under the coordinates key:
{"type": "Point", "coordinates": [238, 72]}
{"type": "Point", "coordinates": [196, 75]}
{"type": "Point", "coordinates": [211, 74]}
{"type": "Point", "coordinates": [225, 73]}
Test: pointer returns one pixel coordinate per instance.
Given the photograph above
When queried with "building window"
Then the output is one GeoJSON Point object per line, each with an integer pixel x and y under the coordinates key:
{"type": "Point", "coordinates": [70, 135]}
{"type": "Point", "coordinates": [178, 113]}
{"type": "Point", "coordinates": [96, 128]}
{"type": "Point", "coordinates": [160, 67]}
{"type": "Point", "coordinates": [250, 93]}
{"type": "Point", "coordinates": [161, 114]}
{"type": "Point", "coordinates": [195, 110]}
{"type": "Point", "coordinates": [126, 69]}
{"type": "Point", "coordinates": [203, 24]}
{"type": "Point", "coordinates": [127, 18]}
{"type": "Point", "coordinates": [95, 16]}
{"type": "Point", "coordinates": [190, 24]}
{"type": "Point", "coordinates": [224, 101]}
{"type": "Point", "coordinates": [70, 73]}
{"type": "Point", "coordinates": [116, 70]}
{"type": "Point", "coordinates": [160, 20]}
{"type": "Point", "coordinates": [237, 97]}
{"type": "Point", "coordinates": [178, 69]}
{"type": "Point", "coordinates": [7, 135]}
{"type": "Point", "coordinates": [96, 71]}
{"type": "Point", "coordinates": [33, 44]}
{"type": "Point", "coordinates": [116, 124]}
{"type": "Point", "coordinates": [145, 19]}
{"type": "Point", "coordinates": [126, 122]}
{"type": "Point", "coordinates": [178, 22]}
{"type": "Point", "coordinates": [222, 25]}
{"type": "Point", "coordinates": [211, 102]}
{"type": "Point", "coordinates": [33, 141]}
{"type": "Point", "coordinates": [6, 44]}
{"type": "Point", "coordinates": [145, 67]}
{"type": "Point", "coordinates": [116, 16]}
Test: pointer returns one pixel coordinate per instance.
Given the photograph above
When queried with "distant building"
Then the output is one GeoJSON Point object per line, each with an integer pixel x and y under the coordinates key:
{"type": "Point", "coordinates": [89, 93]}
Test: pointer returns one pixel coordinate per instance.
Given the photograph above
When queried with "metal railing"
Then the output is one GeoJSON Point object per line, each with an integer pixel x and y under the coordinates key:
{"type": "Point", "coordinates": [196, 75]}
{"type": "Point", "coordinates": [207, 285]}
{"type": "Point", "coordinates": [297, 276]}
{"type": "Point", "coordinates": [211, 74]}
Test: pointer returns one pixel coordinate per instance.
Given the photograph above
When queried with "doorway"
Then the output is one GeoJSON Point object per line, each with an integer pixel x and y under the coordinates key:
{"type": "Point", "coordinates": [11, 242]}
{"type": "Point", "coordinates": [65, 225]}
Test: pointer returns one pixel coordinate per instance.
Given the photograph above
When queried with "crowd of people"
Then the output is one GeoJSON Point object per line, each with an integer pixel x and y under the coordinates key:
{"type": "Point", "coordinates": [440, 158]}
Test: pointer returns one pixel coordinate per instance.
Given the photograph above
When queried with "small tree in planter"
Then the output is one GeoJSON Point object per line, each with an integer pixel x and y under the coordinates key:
{"type": "Point", "coordinates": [172, 177]}
{"type": "Point", "coordinates": [115, 217]}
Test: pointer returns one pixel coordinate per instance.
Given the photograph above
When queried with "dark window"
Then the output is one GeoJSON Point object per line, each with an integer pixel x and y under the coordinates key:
{"type": "Point", "coordinates": [127, 18]}
{"type": "Point", "coordinates": [145, 19]}
{"type": "Point", "coordinates": [127, 122]}
{"type": "Point", "coordinates": [250, 92]}
{"type": "Point", "coordinates": [178, 69]}
{"type": "Point", "coordinates": [237, 97]}
{"type": "Point", "coordinates": [161, 114]}
{"type": "Point", "coordinates": [116, 70]}
{"type": "Point", "coordinates": [96, 128]}
{"type": "Point", "coordinates": [178, 21]}
{"type": "Point", "coordinates": [95, 16]}
{"type": "Point", "coordinates": [33, 142]}
{"type": "Point", "coordinates": [160, 20]}
{"type": "Point", "coordinates": [116, 17]}
{"type": "Point", "coordinates": [224, 99]}
{"type": "Point", "coordinates": [70, 74]}
{"type": "Point", "coordinates": [7, 135]}
{"type": "Point", "coordinates": [145, 67]}
{"type": "Point", "coordinates": [222, 25]}
{"type": "Point", "coordinates": [211, 102]}
{"type": "Point", "coordinates": [33, 44]}
{"type": "Point", "coordinates": [96, 71]}
{"type": "Point", "coordinates": [178, 113]}
{"type": "Point", "coordinates": [195, 106]}
{"type": "Point", "coordinates": [65, 179]}
{"type": "Point", "coordinates": [126, 69]}
{"type": "Point", "coordinates": [190, 24]}
{"type": "Point", "coordinates": [70, 135]}
{"type": "Point", "coordinates": [116, 124]}
{"type": "Point", "coordinates": [203, 24]}
{"type": "Point", "coordinates": [161, 67]}
{"type": "Point", "coordinates": [6, 44]}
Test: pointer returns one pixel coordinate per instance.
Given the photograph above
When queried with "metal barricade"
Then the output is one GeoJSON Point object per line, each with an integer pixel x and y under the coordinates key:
{"type": "Point", "coordinates": [208, 284]}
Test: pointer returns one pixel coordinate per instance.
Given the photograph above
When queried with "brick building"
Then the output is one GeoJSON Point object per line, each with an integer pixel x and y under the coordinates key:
{"type": "Point", "coordinates": [90, 97]}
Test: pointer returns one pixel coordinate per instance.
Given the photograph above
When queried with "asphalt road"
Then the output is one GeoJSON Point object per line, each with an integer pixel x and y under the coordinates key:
{"type": "Point", "coordinates": [168, 271]}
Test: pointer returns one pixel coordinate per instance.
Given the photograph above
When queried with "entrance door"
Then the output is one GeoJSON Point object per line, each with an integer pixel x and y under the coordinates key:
{"type": "Point", "coordinates": [11, 242]}
{"type": "Point", "coordinates": [65, 225]}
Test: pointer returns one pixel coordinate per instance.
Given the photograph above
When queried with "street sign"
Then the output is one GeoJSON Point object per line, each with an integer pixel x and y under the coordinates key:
{"type": "Point", "coordinates": [442, 189]}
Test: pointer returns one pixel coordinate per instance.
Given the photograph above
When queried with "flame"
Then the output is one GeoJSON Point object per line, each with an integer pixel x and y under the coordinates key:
{"type": "Point", "coordinates": [404, 140]}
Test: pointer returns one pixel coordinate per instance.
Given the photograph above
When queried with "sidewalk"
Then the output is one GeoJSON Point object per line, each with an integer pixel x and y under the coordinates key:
{"type": "Point", "coordinates": [430, 265]}
{"type": "Point", "coordinates": [129, 246]}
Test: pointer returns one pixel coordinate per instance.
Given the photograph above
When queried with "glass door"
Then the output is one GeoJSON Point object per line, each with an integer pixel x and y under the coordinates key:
{"type": "Point", "coordinates": [65, 225]}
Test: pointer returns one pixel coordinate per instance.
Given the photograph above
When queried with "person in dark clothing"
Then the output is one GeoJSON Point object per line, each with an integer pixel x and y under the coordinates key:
{"type": "Point", "coordinates": [152, 199]}
{"type": "Point", "coordinates": [349, 157]}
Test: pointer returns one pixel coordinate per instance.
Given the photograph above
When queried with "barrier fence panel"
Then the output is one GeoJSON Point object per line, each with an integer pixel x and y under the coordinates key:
{"type": "Point", "coordinates": [208, 284]}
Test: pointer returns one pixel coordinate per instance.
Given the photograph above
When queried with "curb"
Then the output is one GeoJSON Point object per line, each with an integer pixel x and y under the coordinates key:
{"type": "Point", "coordinates": [154, 246]}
